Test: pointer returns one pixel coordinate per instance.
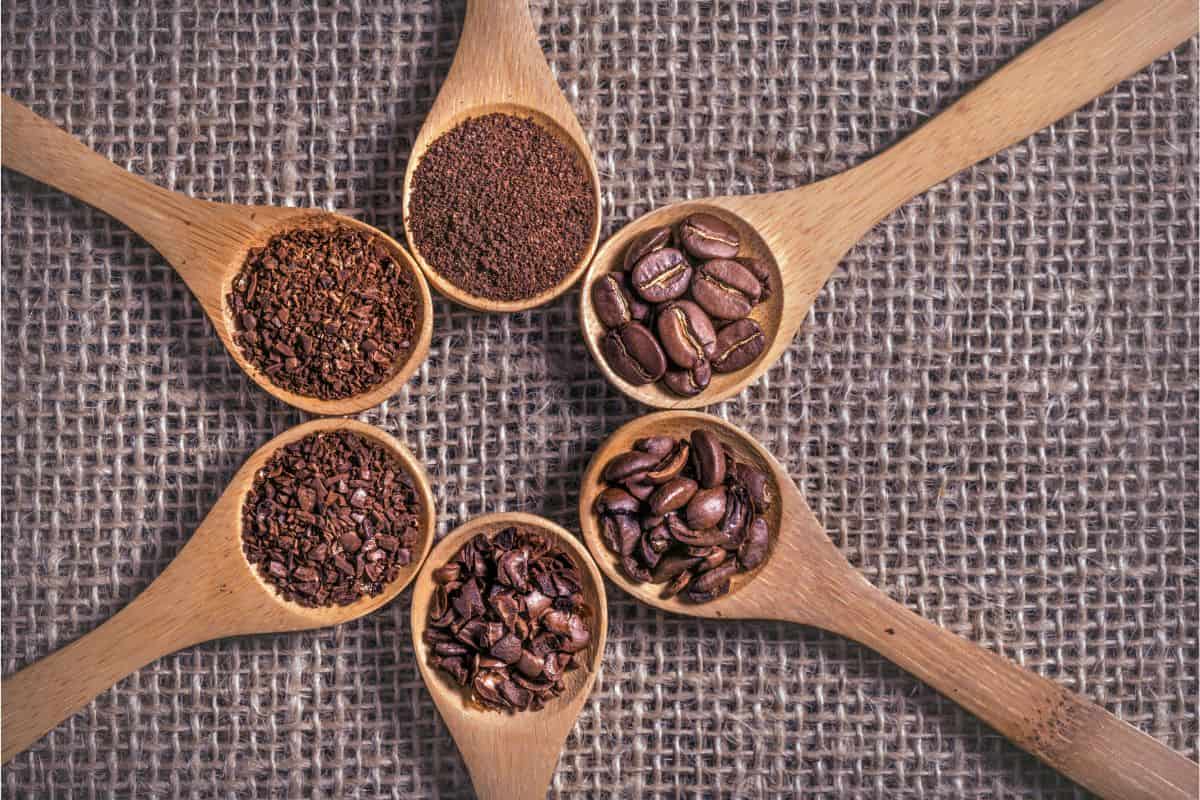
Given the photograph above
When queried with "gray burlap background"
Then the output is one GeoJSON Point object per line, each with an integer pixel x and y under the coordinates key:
{"type": "Point", "coordinates": [993, 407]}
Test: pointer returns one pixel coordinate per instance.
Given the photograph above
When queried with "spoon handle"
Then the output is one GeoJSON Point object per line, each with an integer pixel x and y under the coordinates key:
{"type": "Point", "coordinates": [1076, 63]}
{"type": "Point", "coordinates": [1063, 729]}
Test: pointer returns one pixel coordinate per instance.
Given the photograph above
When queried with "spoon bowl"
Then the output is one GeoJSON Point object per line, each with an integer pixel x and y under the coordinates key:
{"type": "Point", "coordinates": [209, 591]}
{"type": "Point", "coordinates": [207, 243]}
{"type": "Point", "coordinates": [802, 234]}
{"type": "Point", "coordinates": [510, 754]}
{"type": "Point", "coordinates": [805, 579]}
{"type": "Point", "coordinates": [499, 67]}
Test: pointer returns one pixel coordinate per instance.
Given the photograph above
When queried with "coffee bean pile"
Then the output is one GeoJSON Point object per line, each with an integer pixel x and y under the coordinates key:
{"type": "Point", "coordinates": [325, 311]}
{"type": "Point", "coordinates": [330, 518]}
{"type": "Point", "coordinates": [679, 310]}
{"type": "Point", "coordinates": [508, 619]}
{"type": "Point", "coordinates": [501, 207]}
{"type": "Point", "coordinates": [685, 513]}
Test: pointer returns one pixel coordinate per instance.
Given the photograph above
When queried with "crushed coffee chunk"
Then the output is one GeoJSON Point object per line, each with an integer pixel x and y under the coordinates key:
{"type": "Point", "coordinates": [331, 518]}
{"type": "Point", "coordinates": [507, 619]}
{"type": "Point", "coordinates": [325, 311]}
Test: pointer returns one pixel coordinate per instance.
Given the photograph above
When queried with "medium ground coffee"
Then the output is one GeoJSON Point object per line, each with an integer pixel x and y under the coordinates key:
{"type": "Point", "coordinates": [330, 518]}
{"type": "Point", "coordinates": [325, 311]}
{"type": "Point", "coordinates": [501, 208]}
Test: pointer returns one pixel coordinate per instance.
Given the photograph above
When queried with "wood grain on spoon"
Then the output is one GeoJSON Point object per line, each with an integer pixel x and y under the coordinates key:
{"type": "Point", "coordinates": [803, 233]}
{"type": "Point", "coordinates": [511, 756]}
{"type": "Point", "coordinates": [807, 580]}
{"type": "Point", "coordinates": [499, 67]}
{"type": "Point", "coordinates": [208, 591]}
{"type": "Point", "coordinates": [205, 242]}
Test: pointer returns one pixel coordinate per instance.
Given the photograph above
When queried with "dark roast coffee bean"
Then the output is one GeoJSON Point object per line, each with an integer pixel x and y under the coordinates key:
{"type": "Point", "coordinates": [738, 344]}
{"type": "Point", "coordinates": [708, 458]}
{"type": "Point", "coordinates": [672, 495]}
{"type": "Point", "coordinates": [737, 513]}
{"type": "Point", "coordinates": [634, 354]}
{"type": "Point", "coordinates": [725, 289]}
{"type": "Point", "coordinates": [637, 307]}
{"type": "Point", "coordinates": [686, 333]}
{"type": "Point", "coordinates": [754, 547]}
{"type": "Point", "coordinates": [706, 508]}
{"type": "Point", "coordinates": [629, 464]}
{"type": "Point", "coordinates": [635, 570]}
{"type": "Point", "coordinates": [713, 557]}
{"type": "Point", "coordinates": [651, 549]}
{"type": "Point", "coordinates": [672, 564]}
{"type": "Point", "coordinates": [705, 537]}
{"type": "Point", "coordinates": [671, 465]}
{"type": "Point", "coordinates": [689, 382]}
{"type": "Point", "coordinates": [620, 532]}
{"type": "Point", "coordinates": [646, 243]}
{"type": "Point", "coordinates": [611, 301]}
{"type": "Point", "coordinates": [678, 584]}
{"type": "Point", "coordinates": [708, 236]}
{"type": "Point", "coordinates": [759, 269]}
{"type": "Point", "coordinates": [639, 488]}
{"type": "Point", "coordinates": [616, 501]}
{"type": "Point", "coordinates": [758, 487]}
{"type": "Point", "coordinates": [658, 445]}
{"type": "Point", "coordinates": [713, 578]}
{"type": "Point", "coordinates": [661, 276]}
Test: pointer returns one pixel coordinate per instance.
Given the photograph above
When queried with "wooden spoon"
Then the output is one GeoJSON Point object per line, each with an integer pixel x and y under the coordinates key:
{"type": "Point", "coordinates": [205, 242]}
{"type": "Point", "coordinates": [511, 756]}
{"type": "Point", "coordinates": [801, 234]}
{"type": "Point", "coordinates": [499, 68]}
{"type": "Point", "coordinates": [209, 591]}
{"type": "Point", "coordinates": [807, 580]}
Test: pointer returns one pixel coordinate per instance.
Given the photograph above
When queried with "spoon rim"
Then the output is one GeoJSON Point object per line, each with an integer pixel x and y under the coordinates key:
{"type": "Point", "coordinates": [456, 698]}
{"type": "Point", "coordinates": [582, 151]}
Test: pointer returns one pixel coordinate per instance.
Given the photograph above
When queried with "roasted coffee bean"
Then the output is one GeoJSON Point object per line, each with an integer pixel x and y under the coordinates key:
{"type": "Point", "coordinates": [611, 301]}
{"type": "Point", "coordinates": [754, 548]}
{"type": "Point", "coordinates": [616, 501]}
{"type": "Point", "coordinates": [638, 308]}
{"type": "Point", "coordinates": [661, 276]}
{"type": "Point", "coordinates": [671, 465]}
{"type": "Point", "coordinates": [508, 618]}
{"type": "Point", "coordinates": [759, 269]}
{"type": "Point", "coordinates": [672, 495]}
{"type": "Point", "coordinates": [330, 518]}
{"type": "Point", "coordinates": [712, 557]}
{"type": "Point", "coordinates": [639, 488]}
{"type": "Point", "coordinates": [706, 537]}
{"type": "Point", "coordinates": [686, 333]}
{"type": "Point", "coordinates": [689, 382]}
{"type": "Point", "coordinates": [672, 564]}
{"type": "Point", "coordinates": [725, 289]}
{"type": "Point", "coordinates": [708, 458]}
{"type": "Point", "coordinates": [646, 243]}
{"type": "Point", "coordinates": [677, 584]}
{"type": "Point", "coordinates": [634, 354]}
{"type": "Point", "coordinates": [737, 513]}
{"type": "Point", "coordinates": [758, 486]}
{"type": "Point", "coordinates": [713, 578]}
{"type": "Point", "coordinates": [629, 464]}
{"type": "Point", "coordinates": [658, 445]}
{"type": "Point", "coordinates": [706, 508]}
{"type": "Point", "coordinates": [708, 236]}
{"type": "Point", "coordinates": [738, 344]}
{"type": "Point", "coordinates": [634, 569]}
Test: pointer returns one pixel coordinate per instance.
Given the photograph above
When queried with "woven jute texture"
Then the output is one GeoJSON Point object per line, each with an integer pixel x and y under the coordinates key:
{"type": "Point", "coordinates": [992, 408]}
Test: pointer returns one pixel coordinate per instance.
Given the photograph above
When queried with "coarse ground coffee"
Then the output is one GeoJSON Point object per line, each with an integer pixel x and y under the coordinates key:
{"type": "Point", "coordinates": [330, 518]}
{"type": "Point", "coordinates": [501, 208]}
{"type": "Point", "coordinates": [325, 310]}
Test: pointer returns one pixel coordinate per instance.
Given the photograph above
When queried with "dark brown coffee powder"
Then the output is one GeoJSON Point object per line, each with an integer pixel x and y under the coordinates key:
{"type": "Point", "coordinates": [325, 311]}
{"type": "Point", "coordinates": [330, 518]}
{"type": "Point", "coordinates": [501, 207]}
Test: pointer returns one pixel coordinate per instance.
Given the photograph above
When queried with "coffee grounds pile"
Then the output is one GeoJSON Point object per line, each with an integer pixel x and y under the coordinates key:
{"type": "Point", "coordinates": [325, 311]}
{"type": "Point", "coordinates": [501, 208]}
{"type": "Point", "coordinates": [330, 518]}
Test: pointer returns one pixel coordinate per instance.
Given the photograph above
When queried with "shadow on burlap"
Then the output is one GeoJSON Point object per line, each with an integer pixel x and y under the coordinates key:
{"type": "Point", "coordinates": [993, 406]}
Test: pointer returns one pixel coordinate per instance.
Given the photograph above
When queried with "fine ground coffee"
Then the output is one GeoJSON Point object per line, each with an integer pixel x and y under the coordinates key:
{"type": "Point", "coordinates": [501, 208]}
{"type": "Point", "coordinates": [330, 518]}
{"type": "Point", "coordinates": [325, 311]}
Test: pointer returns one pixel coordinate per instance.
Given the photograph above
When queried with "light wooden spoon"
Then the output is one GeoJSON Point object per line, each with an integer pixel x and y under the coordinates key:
{"type": "Point", "coordinates": [205, 242]}
{"type": "Point", "coordinates": [511, 756]}
{"type": "Point", "coordinates": [807, 580]}
{"type": "Point", "coordinates": [801, 234]}
{"type": "Point", "coordinates": [208, 591]}
{"type": "Point", "coordinates": [499, 67]}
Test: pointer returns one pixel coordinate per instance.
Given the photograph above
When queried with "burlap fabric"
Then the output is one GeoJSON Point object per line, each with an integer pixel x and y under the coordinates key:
{"type": "Point", "coordinates": [993, 407]}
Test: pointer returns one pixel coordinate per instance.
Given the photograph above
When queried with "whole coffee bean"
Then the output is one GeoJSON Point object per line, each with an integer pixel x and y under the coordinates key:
{"type": "Point", "coordinates": [733, 524]}
{"type": "Point", "coordinates": [738, 344]}
{"type": "Point", "coordinates": [706, 508]}
{"type": "Point", "coordinates": [671, 465]}
{"type": "Point", "coordinates": [725, 289]}
{"type": "Point", "coordinates": [689, 382]}
{"type": "Point", "coordinates": [640, 489]}
{"type": "Point", "coordinates": [672, 495]}
{"type": "Point", "coordinates": [621, 532]}
{"type": "Point", "coordinates": [635, 570]}
{"type": "Point", "coordinates": [646, 243]}
{"type": "Point", "coordinates": [708, 458]}
{"type": "Point", "coordinates": [661, 276]}
{"type": "Point", "coordinates": [628, 465]}
{"type": "Point", "coordinates": [686, 333]}
{"type": "Point", "coordinates": [658, 445]}
{"type": "Point", "coordinates": [616, 501]}
{"type": "Point", "coordinates": [634, 354]}
{"type": "Point", "coordinates": [759, 269]}
{"type": "Point", "coordinates": [648, 551]}
{"type": "Point", "coordinates": [708, 236]}
{"type": "Point", "coordinates": [758, 487]}
{"type": "Point", "coordinates": [611, 301]}
{"type": "Point", "coordinates": [672, 565]}
{"type": "Point", "coordinates": [638, 309]}
{"type": "Point", "coordinates": [754, 548]}
{"type": "Point", "coordinates": [713, 557]}
{"type": "Point", "coordinates": [713, 578]}
{"type": "Point", "coordinates": [678, 584]}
